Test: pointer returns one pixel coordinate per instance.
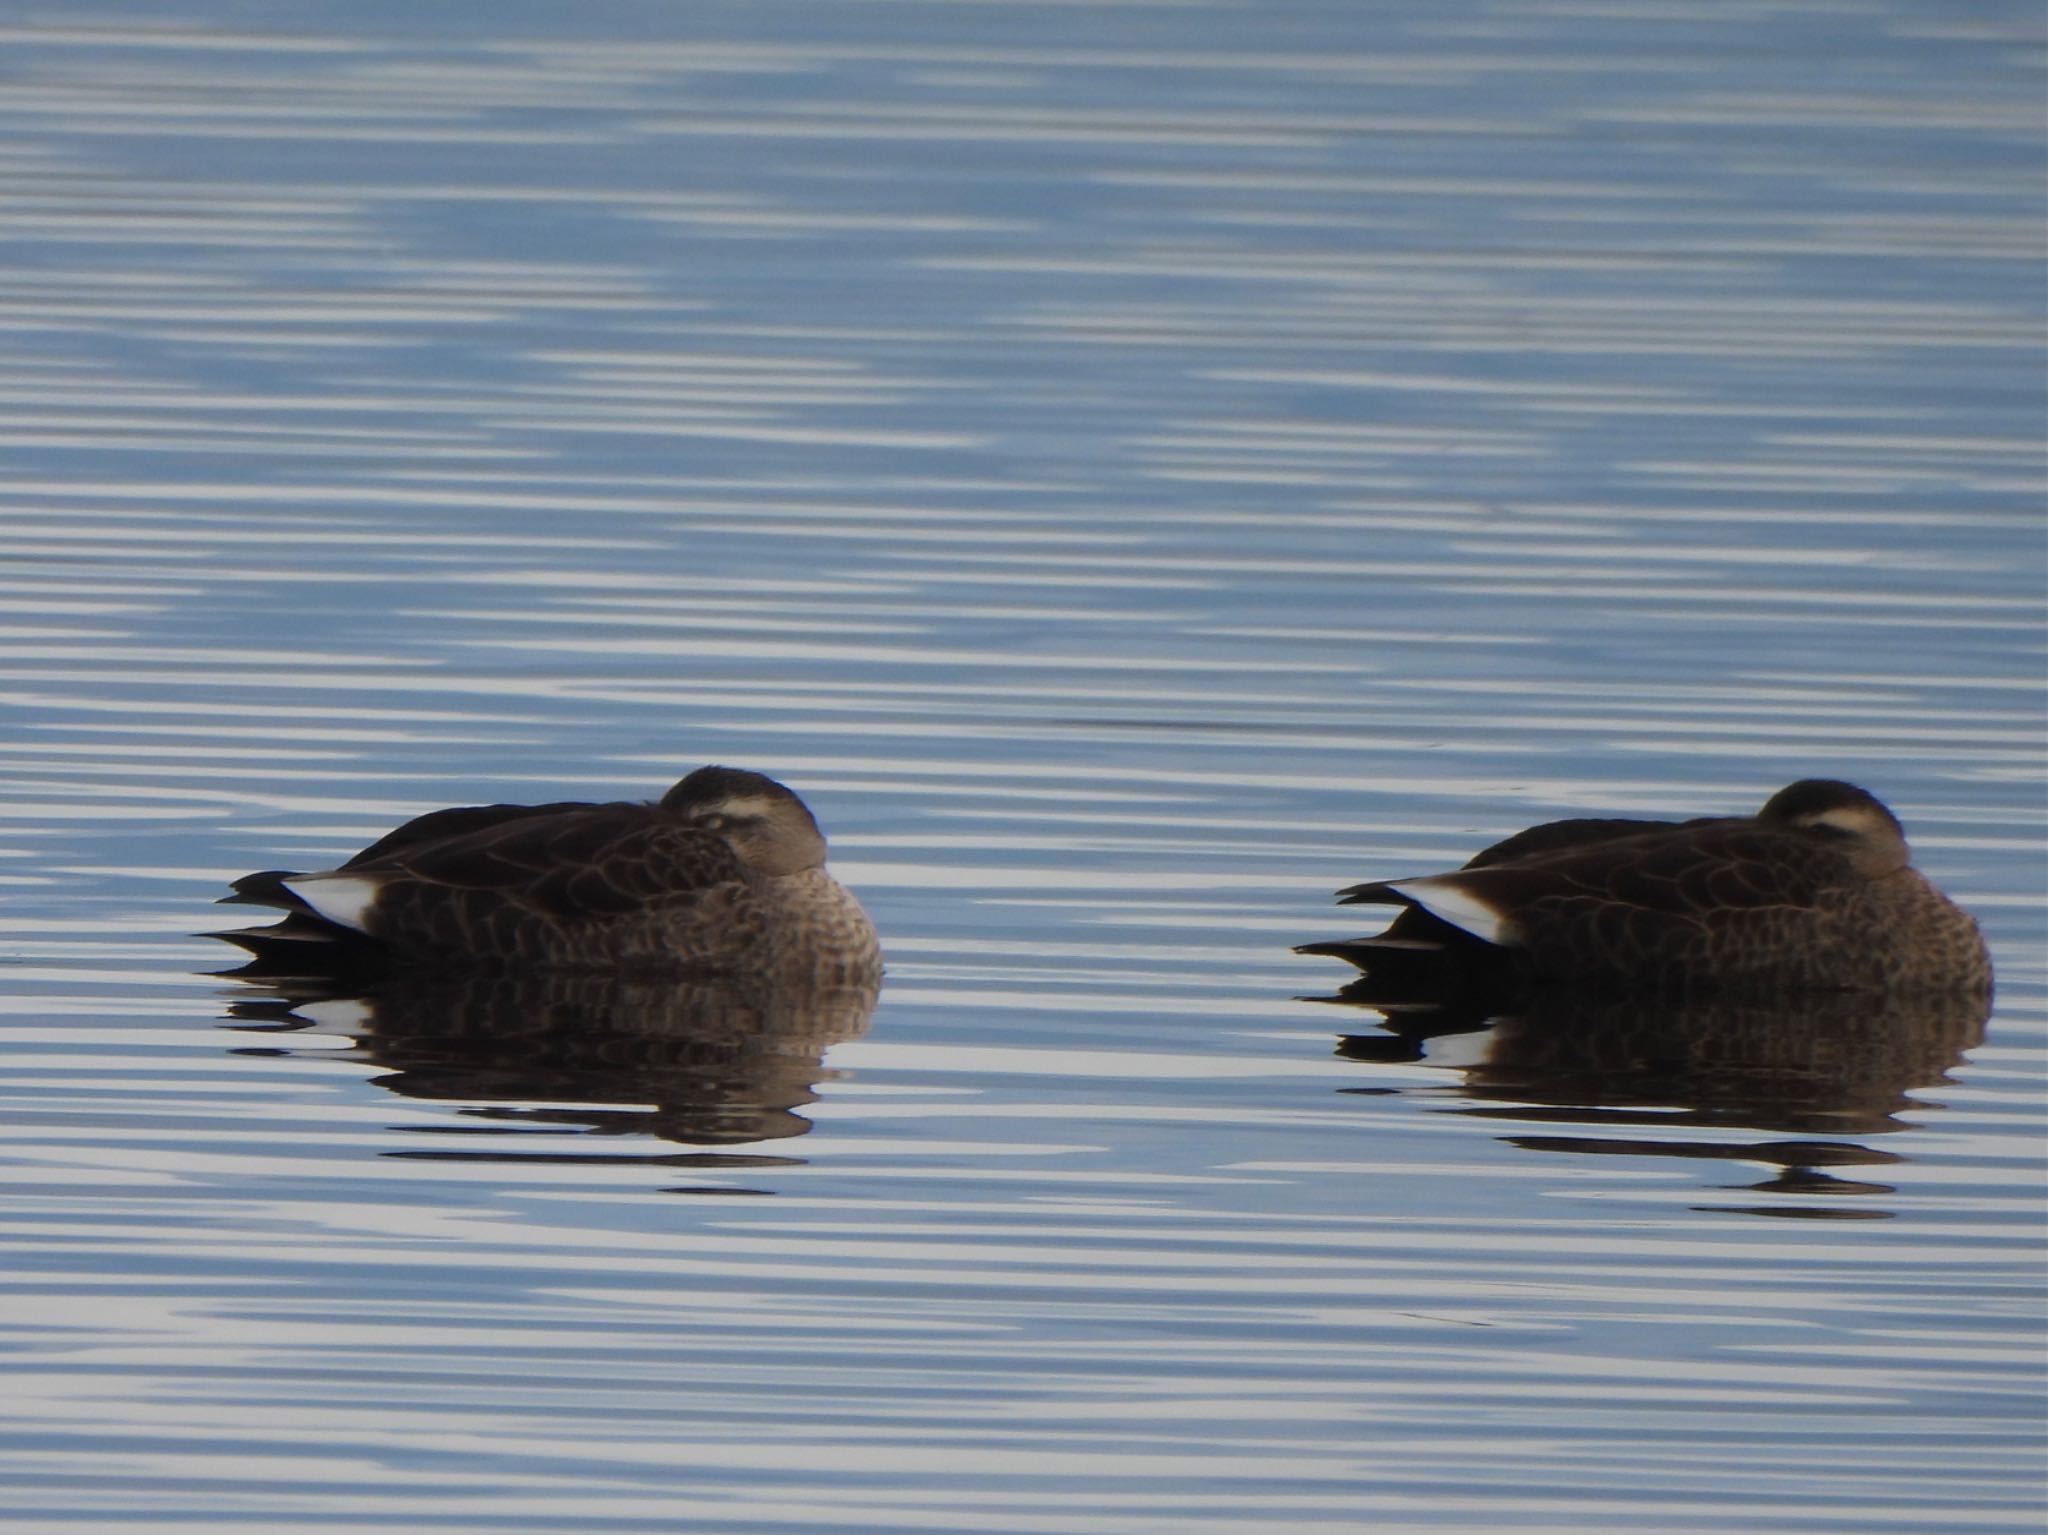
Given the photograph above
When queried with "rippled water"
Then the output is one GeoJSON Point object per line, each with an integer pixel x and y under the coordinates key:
{"type": "Point", "coordinates": [1134, 469]}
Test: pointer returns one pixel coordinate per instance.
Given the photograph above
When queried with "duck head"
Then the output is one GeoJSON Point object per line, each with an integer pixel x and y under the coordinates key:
{"type": "Point", "coordinates": [767, 825]}
{"type": "Point", "coordinates": [1853, 820]}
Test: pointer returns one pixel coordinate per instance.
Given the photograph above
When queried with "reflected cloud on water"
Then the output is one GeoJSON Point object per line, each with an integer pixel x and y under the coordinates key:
{"type": "Point", "coordinates": [1812, 1067]}
{"type": "Point", "coordinates": [719, 1062]}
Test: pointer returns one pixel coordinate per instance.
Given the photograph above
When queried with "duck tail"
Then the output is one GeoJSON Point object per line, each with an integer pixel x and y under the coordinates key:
{"type": "Point", "coordinates": [1404, 970]}
{"type": "Point", "coordinates": [267, 888]}
{"type": "Point", "coordinates": [301, 947]}
{"type": "Point", "coordinates": [1376, 893]}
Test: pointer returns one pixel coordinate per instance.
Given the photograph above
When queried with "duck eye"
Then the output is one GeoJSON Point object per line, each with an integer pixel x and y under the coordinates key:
{"type": "Point", "coordinates": [714, 821]}
{"type": "Point", "coordinates": [1828, 828]}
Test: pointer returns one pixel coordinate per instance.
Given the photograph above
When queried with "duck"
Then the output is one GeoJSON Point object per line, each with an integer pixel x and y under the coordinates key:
{"type": "Point", "coordinates": [1815, 892]}
{"type": "Point", "coordinates": [723, 876]}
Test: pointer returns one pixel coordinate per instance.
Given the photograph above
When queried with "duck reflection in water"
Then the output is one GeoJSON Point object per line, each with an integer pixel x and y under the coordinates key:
{"type": "Point", "coordinates": [1789, 972]}
{"type": "Point", "coordinates": [689, 956]}
{"type": "Point", "coordinates": [703, 1063]}
{"type": "Point", "coordinates": [1817, 1068]}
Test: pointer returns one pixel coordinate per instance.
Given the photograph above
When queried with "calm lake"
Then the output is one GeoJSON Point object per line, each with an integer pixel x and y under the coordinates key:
{"type": "Point", "coordinates": [1134, 468]}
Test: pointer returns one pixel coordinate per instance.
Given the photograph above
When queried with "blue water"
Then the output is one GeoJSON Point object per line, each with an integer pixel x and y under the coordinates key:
{"type": "Point", "coordinates": [1134, 469]}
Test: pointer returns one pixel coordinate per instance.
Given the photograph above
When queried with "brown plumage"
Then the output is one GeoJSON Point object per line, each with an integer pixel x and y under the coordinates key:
{"type": "Point", "coordinates": [1814, 892]}
{"type": "Point", "coordinates": [723, 876]}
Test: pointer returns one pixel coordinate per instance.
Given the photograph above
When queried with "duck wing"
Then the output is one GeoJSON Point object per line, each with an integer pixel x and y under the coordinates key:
{"type": "Point", "coordinates": [1696, 896]}
{"type": "Point", "coordinates": [268, 887]}
{"type": "Point", "coordinates": [1417, 930]}
{"type": "Point", "coordinates": [1549, 839]}
{"type": "Point", "coordinates": [1423, 954]}
{"type": "Point", "coordinates": [1563, 836]}
{"type": "Point", "coordinates": [461, 821]}
{"type": "Point", "coordinates": [578, 884]}
{"type": "Point", "coordinates": [593, 861]}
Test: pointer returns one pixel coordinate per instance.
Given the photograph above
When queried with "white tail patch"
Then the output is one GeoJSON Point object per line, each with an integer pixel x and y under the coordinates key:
{"type": "Point", "coordinates": [343, 899]}
{"type": "Point", "coordinates": [343, 1015]}
{"type": "Point", "coordinates": [1461, 1052]}
{"type": "Point", "coordinates": [1448, 901]}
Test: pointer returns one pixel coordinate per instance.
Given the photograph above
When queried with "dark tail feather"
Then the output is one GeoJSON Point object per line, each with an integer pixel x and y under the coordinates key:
{"type": "Point", "coordinates": [1373, 953]}
{"type": "Point", "coordinates": [1424, 977]}
{"type": "Point", "coordinates": [1418, 964]}
{"type": "Point", "coordinates": [293, 932]}
{"type": "Point", "coordinates": [265, 889]}
{"type": "Point", "coordinates": [301, 948]}
{"type": "Point", "coordinates": [1377, 893]}
{"type": "Point", "coordinates": [319, 969]}
{"type": "Point", "coordinates": [1408, 969]}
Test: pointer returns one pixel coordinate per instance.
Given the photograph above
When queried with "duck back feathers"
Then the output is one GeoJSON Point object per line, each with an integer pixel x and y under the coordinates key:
{"type": "Point", "coordinates": [1816, 891]}
{"type": "Point", "coordinates": [724, 875]}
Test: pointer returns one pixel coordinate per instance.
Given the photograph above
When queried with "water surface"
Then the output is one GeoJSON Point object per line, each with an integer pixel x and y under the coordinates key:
{"type": "Point", "coordinates": [1134, 469]}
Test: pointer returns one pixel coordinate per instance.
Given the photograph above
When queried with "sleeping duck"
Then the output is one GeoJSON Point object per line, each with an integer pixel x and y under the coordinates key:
{"type": "Point", "coordinates": [723, 876]}
{"type": "Point", "coordinates": [1814, 892]}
